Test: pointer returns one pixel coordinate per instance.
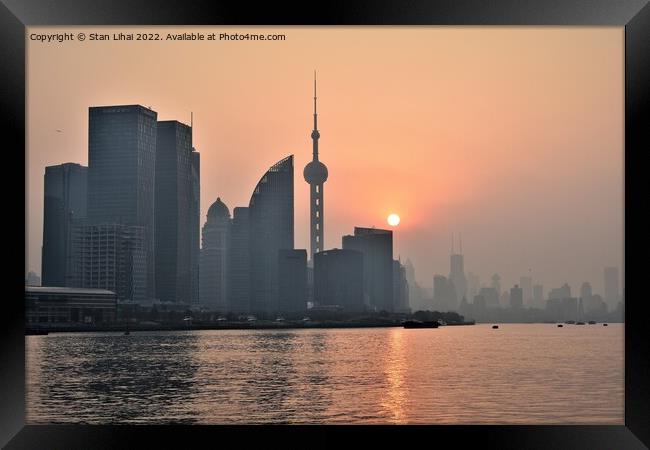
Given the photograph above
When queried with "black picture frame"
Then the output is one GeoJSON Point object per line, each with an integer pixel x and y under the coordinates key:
{"type": "Point", "coordinates": [634, 15]}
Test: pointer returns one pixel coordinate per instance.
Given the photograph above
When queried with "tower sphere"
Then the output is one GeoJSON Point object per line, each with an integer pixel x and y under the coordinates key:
{"type": "Point", "coordinates": [315, 172]}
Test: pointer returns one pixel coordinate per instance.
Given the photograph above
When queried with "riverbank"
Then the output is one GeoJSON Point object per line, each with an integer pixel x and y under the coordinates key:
{"type": "Point", "coordinates": [122, 327]}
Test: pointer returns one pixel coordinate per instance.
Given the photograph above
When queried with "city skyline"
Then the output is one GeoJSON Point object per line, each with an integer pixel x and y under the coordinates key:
{"type": "Point", "coordinates": [483, 254]}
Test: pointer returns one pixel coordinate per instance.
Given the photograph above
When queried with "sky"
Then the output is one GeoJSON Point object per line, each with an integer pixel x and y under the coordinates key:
{"type": "Point", "coordinates": [511, 137]}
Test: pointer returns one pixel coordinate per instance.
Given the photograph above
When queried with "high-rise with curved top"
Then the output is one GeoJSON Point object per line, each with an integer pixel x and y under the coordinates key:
{"type": "Point", "coordinates": [315, 174]}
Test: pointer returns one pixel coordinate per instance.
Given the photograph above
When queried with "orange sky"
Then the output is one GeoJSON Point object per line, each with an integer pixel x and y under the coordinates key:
{"type": "Point", "coordinates": [512, 136]}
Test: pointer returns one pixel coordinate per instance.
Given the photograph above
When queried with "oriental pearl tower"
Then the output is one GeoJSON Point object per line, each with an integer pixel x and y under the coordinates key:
{"type": "Point", "coordinates": [315, 174]}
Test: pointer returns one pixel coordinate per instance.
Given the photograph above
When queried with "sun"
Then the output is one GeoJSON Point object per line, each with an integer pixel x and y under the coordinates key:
{"type": "Point", "coordinates": [393, 220]}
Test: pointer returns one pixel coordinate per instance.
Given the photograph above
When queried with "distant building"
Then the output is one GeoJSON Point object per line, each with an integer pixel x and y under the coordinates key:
{"type": "Point", "coordinates": [214, 259]}
{"type": "Point", "coordinates": [239, 276]}
{"type": "Point", "coordinates": [416, 295]}
{"type": "Point", "coordinates": [611, 287]}
{"type": "Point", "coordinates": [377, 248]}
{"type": "Point", "coordinates": [111, 257]}
{"type": "Point", "coordinates": [496, 283]}
{"type": "Point", "coordinates": [64, 204]}
{"type": "Point", "coordinates": [32, 279]}
{"type": "Point", "coordinates": [490, 297]}
{"type": "Point", "coordinates": [60, 305]}
{"type": "Point", "coordinates": [292, 283]}
{"type": "Point", "coordinates": [538, 296]}
{"type": "Point", "coordinates": [400, 288]}
{"type": "Point", "coordinates": [560, 293]}
{"type": "Point", "coordinates": [516, 297]}
{"type": "Point", "coordinates": [338, 279]}
{"type": "Point", "coordinates": [526, 284]}
{"type": "Point", "coordinates": [271, 230]}
{"type": "Point", "coordinates": [444, 294]}
{"type": "Point", "coordinates": [121, 173]}
{"type": "Point", "coordinates": [504, 299]}
{"type": "Point", "coordinates": [473, 284]}
{"type": "Point", "coordinates": [173, 212]}
{"type": "Point", "coordinates": [562, 309]}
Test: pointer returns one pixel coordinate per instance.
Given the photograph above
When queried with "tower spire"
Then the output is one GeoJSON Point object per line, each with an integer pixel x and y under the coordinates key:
{"type": "Point", "coordinates": [315, 134]}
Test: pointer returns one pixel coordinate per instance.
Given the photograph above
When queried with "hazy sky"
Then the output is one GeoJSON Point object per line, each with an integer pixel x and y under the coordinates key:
{"type": "Point", "coordinates": [511, 136]}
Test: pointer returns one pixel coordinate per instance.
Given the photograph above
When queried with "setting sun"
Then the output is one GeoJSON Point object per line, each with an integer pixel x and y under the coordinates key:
{"type": "Point", "coordinates": [393, 220]}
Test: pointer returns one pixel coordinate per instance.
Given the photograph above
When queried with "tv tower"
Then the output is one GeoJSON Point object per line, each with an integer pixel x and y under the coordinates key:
{"type": "Point", "coordinates": [315, 174]}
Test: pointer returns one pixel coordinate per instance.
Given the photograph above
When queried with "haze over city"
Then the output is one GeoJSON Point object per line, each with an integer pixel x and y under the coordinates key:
{"type": "Point", "coordinates": [512, 137]}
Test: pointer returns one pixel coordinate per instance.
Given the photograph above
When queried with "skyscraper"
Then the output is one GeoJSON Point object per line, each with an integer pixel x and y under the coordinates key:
{"type": "Point", "coordinates": [526, 284]}
{"type": "Point", "coordinates": [174, 207]}
{"type": "Point", "coordinates": [457, 271]}
{"type": "Point", "coordinates": [611, 290]}
{"type": "Point", "coordinates": [121, 173]}
{"type": "Point", "coordinates": [315, 174]}
{"type": "Point", "coordinates": [400, 288]}
{"type": "Point", "coordinates": [292, 280]}
{"type": "Point", "coordinates": [239, 266]}
{"type": "Point", "coordinates": [496, 283]}
{"type": "Point", "coordinates": [64, 204]}
{"type": "Point", "coordinates": [377, 248]}
{"type": "Point", "coordinates": [271, 230]}
{"type": "Point", "coordinates": [195, 223]}
{"type": "Point", "coordinates": [444, 294]}
{"type": "Point", "coordinates": [516, 297]}
{"type": "Point", "coordinates": [338, 279]}
{"type": "Point", "coordinates": [214, 259]}
{"type": "Point", "coordinates": [538, 296]}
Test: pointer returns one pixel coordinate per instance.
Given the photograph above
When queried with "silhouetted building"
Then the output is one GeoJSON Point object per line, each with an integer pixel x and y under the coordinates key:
{"type": "Point", "coordinates": [338, 279]}
{"type": "Point", "coordinates": [173, 212]}
{"type": "Point", "coordinates": [195, 224]}
{"type": "Point", "coordinates": [473, 285]}
{"type": "Point", "coordinates": [214, 259]}
{"type": "Point", "coordinates": [64, 203]}
{"type": "Point", "coordinates": [538, 296]}
{"type": "Point", "coordinates": [400, 288]}
{"type": "Point", "coordinates": [292, 272]}
{"type": "Point", "coordinates": [562, 309]}
{"type": "Point", "coordinates": [239, 276]}
{"type": "Point", "coordinates": [271, 230]}
{"type": "Point", "coordinates": [490, 296]}
{"type": "Point", "coordinates": [62, 305]}
{"type": "Point", "coordinates": [444, 294]}
{"type": "Point", "coordinates": [611, 287]}
{"type": "Point", "coordinates": [377, 248]}
{"type": "Point", "coordinates": [121, 173]}
{"type": "Point", "coordinates": [526, 284]}
{"type": "Point", "coordinates": [112, 257]}
{"type": "Point", "coordinates": [315, 174]}
{"type": "Point", "coordinates": [416, 296]}
{"type": "Point", "coordinates": [516, 297]}
{"type": "Point", "coordinates": [560, 293]}
{"type": "Point", "coordinates": [457, 272]}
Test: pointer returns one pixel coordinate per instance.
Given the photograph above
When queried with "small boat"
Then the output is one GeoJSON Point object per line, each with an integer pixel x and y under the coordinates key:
{"type": "Point", "coordinates": [559, 325]}
{"type": "Point", "coordinates": [570, 322]}
{"type": "Point", "coordinates": [420, 324]}
{"type": "Point", "coordinates": [604, 324]}
{"type": "Point", "coordinates": [580, 323]}
{"type": "Point", "coordinates": [495, 327]}
{"type": "Point", "coordinates": [591, 322]}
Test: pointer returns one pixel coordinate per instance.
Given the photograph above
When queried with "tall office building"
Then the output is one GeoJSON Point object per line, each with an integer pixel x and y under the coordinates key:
{"type": "Point", "coordinates": [538, 296]}
{"type": "Point", "coordinates": [560, 293]}
{"type": "Point", "coordinates": [239, 276]}
{"type": "Point", "coordinates": [338, 279]}
{"type": "Point", "coordinates": [611, 291]}
{"type": "Point", "coordinates": [173, 212]}
{"type": "Point", "coordinates": [457, 271]}
{"type": "Point", "coordinates": [292, 280]}
{"type": "Point", "coordinates": [473, 285]}
{"type": "Point", "coordinates": [121, 173]}
{"type": "Point", "coordinates": [111, 256]}
{"type": "Point", "coordinates": [416, 296]}
{"type": "Point", "coordinates": [64, 204]}
{"type": "Point", "coordinates": [516, 297]}
{"type": "Point", "coordinates": [271, 230]}
{"type": "Point", "coordinates": [526, 284]}
{"type": "Point", "coordinates": [377, 248]}
{"type": "Point", "coordinates": [214, 259]}
{"type": "Point", "coordinates": [315, 174]}
{"type": "Point", "coordinates": [400, 288]}
{"type": "Point", "coordinates": [195, 224]}
{"type": "Point", "coordinates": [444, 294]}
{"type": "Point", "coordinates": [489, 296]}
{"type": "Point", "coordinates": [496, 283]}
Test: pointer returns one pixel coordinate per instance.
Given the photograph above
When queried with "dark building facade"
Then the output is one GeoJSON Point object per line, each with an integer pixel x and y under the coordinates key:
{"type": "Point", "coordinates": [239, 276]}
{"type": "Point", "coordinates": [516, 297]}
{"type": "Point", "coordinates": [400, 288]}
{"type": "Point", "coordinates": [214, 260]}
{"type": "Point", "coordinates": [377, 248]}
{"type": "Point", "coordinates": [292, 280]}
{"type": "Point", "coordinates": [338, 279]}
{"type": "Point", "coordinates": [64, 204]}
{"type": "Point", "coordinates": [444, 294]}
{"type": "Point", "coordinates": [271, 229]}
{"type": "Point", "coordinates": [195, 224]}
{"type": "Point", "coordinates": [121, 173]}
{"type": "Point", "coordinates": [52, 305]}
{"type": "Point", "coordinates": [112, 257]}
{"type": "Point", "coordinates": [173, 212]}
